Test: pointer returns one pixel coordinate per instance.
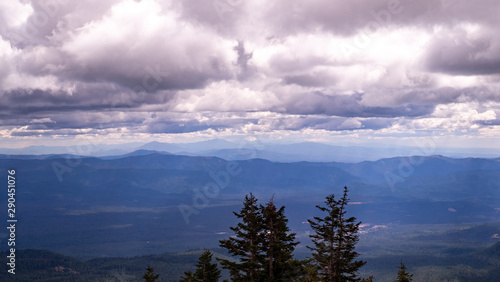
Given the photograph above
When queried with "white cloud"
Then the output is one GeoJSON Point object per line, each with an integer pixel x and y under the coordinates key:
{"type": "Point", "coordinates": [42, 120]}
{"type": "Point", "coordinates": [224, 96]}
{"type": "Point", "coordinates": [15, 13]}
{"type": "Point", "coordinates": [5, 53]}
{"type": "Point", "coordinates": [351, 123]}
{"type": "Point", "coordinates": [149, 43]}
{"type": "Point", "coordinates": [463, 112]}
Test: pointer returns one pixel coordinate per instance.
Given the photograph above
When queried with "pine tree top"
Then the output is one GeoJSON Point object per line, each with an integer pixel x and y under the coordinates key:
{"type": "Point", "coordinates": [403, 276]}
{"type": "Point", "coordinates": [335, 236]}
{"type": "Point", "coordinates": [149, 276]}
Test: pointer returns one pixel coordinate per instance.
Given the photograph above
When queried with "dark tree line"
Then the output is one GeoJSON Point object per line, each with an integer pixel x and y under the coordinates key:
{"type": "Point", "coordinates": [263, 246]}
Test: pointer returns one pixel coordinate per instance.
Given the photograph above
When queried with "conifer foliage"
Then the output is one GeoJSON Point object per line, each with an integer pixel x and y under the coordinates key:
{"type": "Point", "coordinates": [149, 276]}
{"type": "Point", "coordinates": [262, 246]}
{"type": "Point", "coordinates": [246, 244]}
{"type": "Point", "coordinates": [403, 276]}
{"type": "Point", "coordinates": [278, 245]}
{"type": "Point", "coordinates": [334, 241]}
{"type": "Point", "coordinates": [188, 277]}
{"type": "Point", "coordinates": [262, 242]}
{"type": "Point", "coordinates": [206, 271]}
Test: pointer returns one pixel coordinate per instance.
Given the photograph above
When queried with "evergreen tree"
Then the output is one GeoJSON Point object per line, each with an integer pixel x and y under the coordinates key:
{"type": "Point", "coordinates": [149, 276]}
{"type": "Point", "coordinates": [188, 277]}
{"type": "Point", "coordinates": [246, 244]}
{"type": "Point", "coordinates": [334, 241]}
{"type": "Point", "coordinates": [278, 245]}
{"type": "Point", "coordinates": [206, 271]}
{"type": "Point", "coordinates": [309, 272]}
{"type": "Point", "coordinates": [403, 276]}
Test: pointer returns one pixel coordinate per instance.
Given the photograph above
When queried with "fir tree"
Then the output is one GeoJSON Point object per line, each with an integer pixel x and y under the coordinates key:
{"type": "Point", "coordinates": [188, 277]}
{"type": "Point", "coordinates": [334, 241]}
{"type": "Point", "coordinates": [246, 244]}
{"type": "Point", "coordinates": [149, 276]}
{"type": "Point", "coordinates": [309, 272]}
{"type": "Point", "coordinates": [403, 276]}
{"type": "Point", "coordinates": [278, 244]}
{"type": "Point", "coordinates": [206, 271]}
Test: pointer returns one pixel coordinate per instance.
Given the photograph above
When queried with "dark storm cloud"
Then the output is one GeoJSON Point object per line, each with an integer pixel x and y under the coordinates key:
{"type": "Point", "coordinates": [423, 101]}
{"type": "Point", "coordinates": [448, 95]}
{"type": "Point", "coordinates": [464, 54]}
{"type": "Point", "coordinates": [378, 123]}
{"type": "Point", "coordinates": [50, 17]}
{"type": "Point", "coordinates": [79, 120]}
{"type": "Point", "coordinates": [434, 96]}
{"type": "Point", "coordinates": [430, 96]}
{"type": "Point", "coordinates": [331, 123]}
{"type": "Point", "coordinates": [311, 80]}
{"type": "Point", "coordinates": [49, 133]}
{"type": "Point", "coordinates": [86, 97]}
{"type": "Point", "coordinates": [71, 122]}
{"type": "Point", "coordinates": [488, 122]}
{"type": "Point", "coordinates": [153, 79]}
{"type": "Point", "coordinates": [347, 17]}
{"type": "Point", "coordinates": [350, 106]}
{"type": "Point", "coordinates": [193, 122]}
{"type": "Point", "coordinates": [185, 126]}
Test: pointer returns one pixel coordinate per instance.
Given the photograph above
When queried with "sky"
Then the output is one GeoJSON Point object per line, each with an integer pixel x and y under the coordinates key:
{"type": "Point", "coordinates": [338, 71]}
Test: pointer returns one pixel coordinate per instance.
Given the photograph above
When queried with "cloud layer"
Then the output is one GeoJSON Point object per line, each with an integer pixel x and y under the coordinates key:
{"type": "Point", "coordinates": [377, 69]}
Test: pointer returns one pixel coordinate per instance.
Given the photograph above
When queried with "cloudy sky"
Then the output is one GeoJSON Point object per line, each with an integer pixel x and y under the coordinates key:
{"type": "Point", "coordinates": [381, 71]}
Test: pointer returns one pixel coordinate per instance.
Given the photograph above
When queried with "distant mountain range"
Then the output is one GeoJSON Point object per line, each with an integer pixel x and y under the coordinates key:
{"type": "Point", "coordinates": [306, 151]}
{"type": "Point", "coordinates": [96, 206]}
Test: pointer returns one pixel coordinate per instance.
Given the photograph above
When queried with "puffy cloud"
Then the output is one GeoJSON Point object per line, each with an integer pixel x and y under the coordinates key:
{"type": "Point", "coordinates": [42, 120]}
{"type": "Point", "coordinates": [140, 45]}
{"type": "Point", "coordinates": [14, 13]}
{"type": "Point", "coordinates": [224, 96]}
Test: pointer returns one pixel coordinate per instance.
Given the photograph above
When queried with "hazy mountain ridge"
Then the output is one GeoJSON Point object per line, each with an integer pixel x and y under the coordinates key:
{"type": "Point", "coordinates": [416, 171]}
{"type": "Point", "coordinates": [244, 150]}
